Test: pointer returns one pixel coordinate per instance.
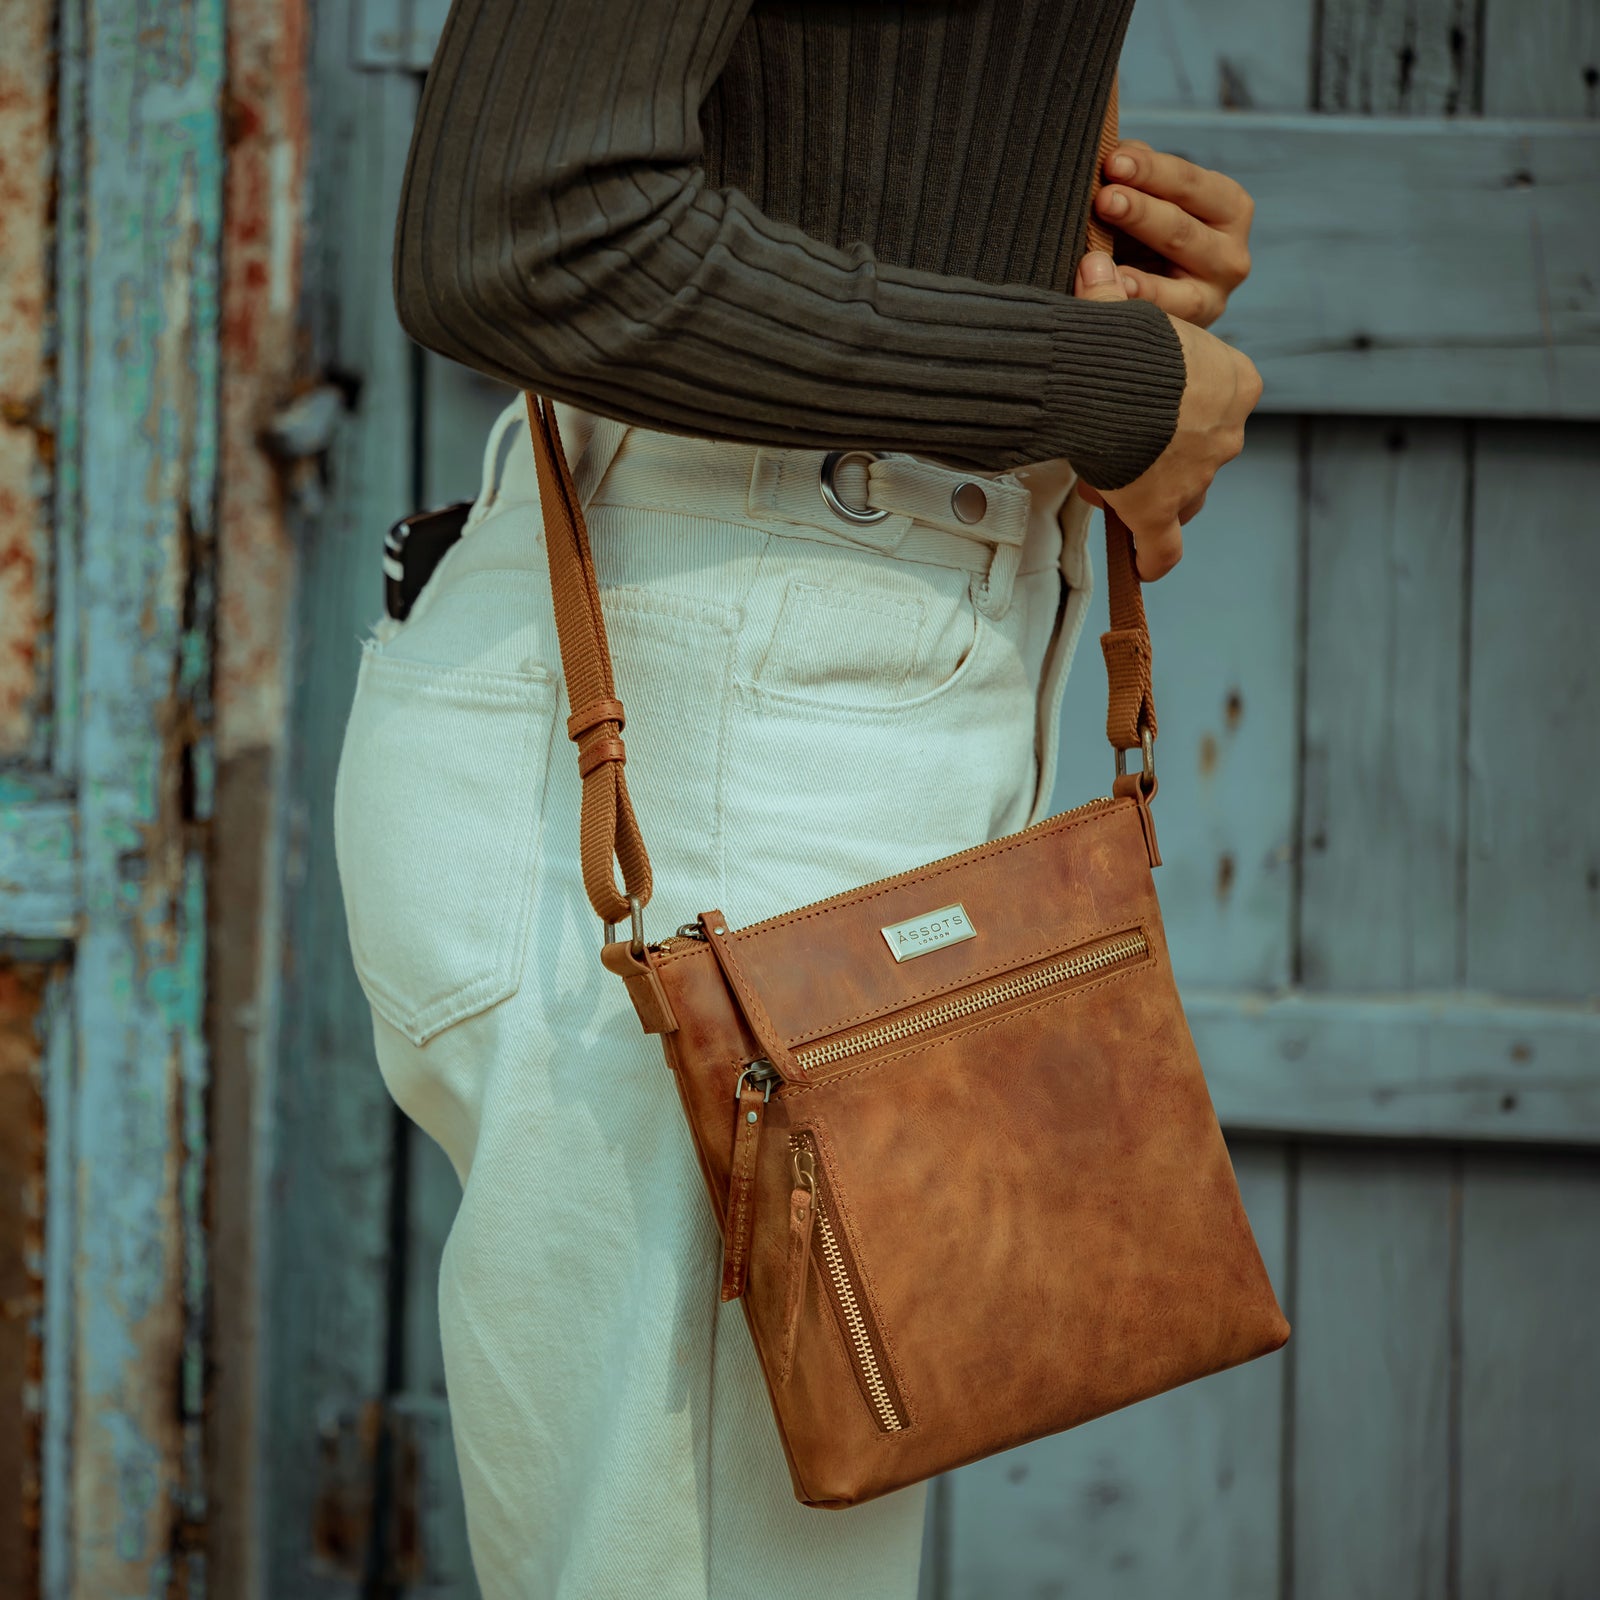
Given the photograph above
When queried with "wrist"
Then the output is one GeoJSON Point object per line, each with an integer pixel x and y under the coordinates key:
{"type": "Point", "coordinates": [1116, 381]}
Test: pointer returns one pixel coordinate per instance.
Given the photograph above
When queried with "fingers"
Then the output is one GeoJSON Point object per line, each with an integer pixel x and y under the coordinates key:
{"type": "Point", "coordinates": [1098, 279]}
{"type": "Point", "coordinates": [1191, 299]}
{"type": "Point", "coordinates": [1187, 242]}
{"type": "Point", "coordinates": [1213, 197]}
{"type": "Point", "coordinates": [1157, 552]}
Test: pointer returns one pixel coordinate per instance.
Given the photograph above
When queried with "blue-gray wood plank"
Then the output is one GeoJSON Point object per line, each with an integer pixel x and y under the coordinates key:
{"type": "Point", "coordinates": [1381, 842]}
{"type": "Point", "coordinates": [330, 1249]}
{"type": "Point", "coordinates": [1530, 1386]}
{"type": "Point", "coordinates": [1379, 1253]}
{"type": "Point", "coordinates": [140, 224]}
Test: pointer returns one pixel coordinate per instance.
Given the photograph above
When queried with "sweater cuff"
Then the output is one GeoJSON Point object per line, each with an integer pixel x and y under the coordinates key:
{"type": "Point", "coordinates": [1117, 376]}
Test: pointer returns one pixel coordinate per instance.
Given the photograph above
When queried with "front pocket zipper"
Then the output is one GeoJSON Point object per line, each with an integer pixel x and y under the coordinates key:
{"type": "Point", "coordinates": [1059, 972]}
{"type": "Point", "coordinates": [844, 1288]}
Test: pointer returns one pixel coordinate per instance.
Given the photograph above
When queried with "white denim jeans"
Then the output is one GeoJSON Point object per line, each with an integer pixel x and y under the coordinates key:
{"type": "Point", "coordinates": [812, 702]}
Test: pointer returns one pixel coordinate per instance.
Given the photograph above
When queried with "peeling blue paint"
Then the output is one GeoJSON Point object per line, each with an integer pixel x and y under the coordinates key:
{"type": "Point", "coordinates": [141, 174]}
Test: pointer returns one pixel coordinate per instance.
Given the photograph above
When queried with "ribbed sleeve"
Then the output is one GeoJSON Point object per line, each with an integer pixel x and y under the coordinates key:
{"type": "Point", "coordinates": [559, 230]}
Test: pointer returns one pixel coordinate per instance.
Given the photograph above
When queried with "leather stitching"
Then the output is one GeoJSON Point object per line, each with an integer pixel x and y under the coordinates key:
{"type": "Point", "coordinates": [741, 1212]}
{"type": "Point", "coordinates": [755, 1010]}
{"type": "Point", "coordinates": [1075, 988]}
{"type": "Point", "coordinates": [1119, 976]}
{"type": "Point", "coordinates": [915, 875]}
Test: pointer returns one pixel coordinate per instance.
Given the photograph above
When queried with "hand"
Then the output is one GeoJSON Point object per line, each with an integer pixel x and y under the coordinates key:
{"type": "Point", "coordinates": [1196, 220]}
{"type": "Point", "coordinates": [1221, 390]}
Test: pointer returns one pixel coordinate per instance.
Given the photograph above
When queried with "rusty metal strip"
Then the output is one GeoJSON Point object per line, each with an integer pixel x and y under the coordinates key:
{"type": "Point", "coordinates": [146, 177]}
{"type": "Point", "coordinates": [265, 368]}
{"type": "Point", "coordinates": [22, 1217]}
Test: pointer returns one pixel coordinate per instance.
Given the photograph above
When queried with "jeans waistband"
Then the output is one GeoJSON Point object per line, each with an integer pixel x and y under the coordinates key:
{"type": "Point", "coordinates": [992, 525]}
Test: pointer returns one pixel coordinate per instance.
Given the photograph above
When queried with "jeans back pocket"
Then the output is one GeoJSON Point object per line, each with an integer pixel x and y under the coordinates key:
{"type": "Point", "coordinates": [437, 807]}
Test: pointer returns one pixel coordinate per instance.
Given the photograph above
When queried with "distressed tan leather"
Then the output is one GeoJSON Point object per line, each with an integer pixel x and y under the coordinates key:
{"type": "Point", "coordinates": [1039, 1199]}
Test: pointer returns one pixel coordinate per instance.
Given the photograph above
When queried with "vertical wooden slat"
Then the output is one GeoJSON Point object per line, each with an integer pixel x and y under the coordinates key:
{"type": "Point", "coordinates": [1530, 1461]}
{"type": "Point", "coordinates": [1530, 1474]}
{"type": "Point", "coordinates": [1379, 909]}
{"type": "Point", "coordinates": [1382, 825]}
{"type": "Point", "coordinates": [1543, 60]}
{"type": "Point", "coordinates": [150, 186]}
{"type": "Point", "coordinates": [1534, 859]}
{"type": "Point", "coordinates": [1530, 1444]}
{"type": "Point", "coordinates": [459, 406]}
{"type": "Point", "coordinates": [1398, 56]}
{"type": "Point", "coordinates": [1174, 1496]}
{"type": "Point", "coordinates": [1195, 54]}
{"type": "Point", "coordinates": [329, 1257]}
{"type": "Point", "coordinates": [442, 1559]}
{"type": "Point", "coordinates": [1533, 878]}
{"type": "Point", "coordinates": [261, 367]}
{"type": "Point", "coordinates": [1373, 1391]}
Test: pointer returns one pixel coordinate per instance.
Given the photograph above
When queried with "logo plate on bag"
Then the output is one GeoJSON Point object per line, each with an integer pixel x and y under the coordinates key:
{"type": "Point", "coordinates": [916, 936]}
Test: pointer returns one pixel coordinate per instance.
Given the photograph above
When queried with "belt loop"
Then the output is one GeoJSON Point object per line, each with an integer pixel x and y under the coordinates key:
{"type": "Point", "coordinates": [599, 451]}
{"type": "Point", "coordinates": [993, 595]}
{"type": "Point", "coordinates": [489, 480]}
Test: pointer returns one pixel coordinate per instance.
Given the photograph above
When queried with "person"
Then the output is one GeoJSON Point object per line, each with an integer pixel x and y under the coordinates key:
{"type": "Point", "coordinates": [806, 285]}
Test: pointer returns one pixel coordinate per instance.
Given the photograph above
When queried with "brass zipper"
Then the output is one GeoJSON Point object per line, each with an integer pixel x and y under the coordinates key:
{"type": "Point", "coordinates": [1073, 967]}
{"type": "Point", "coordinates": [689, 933]}
{"type": "Point", "coordinates": [844, 1290]}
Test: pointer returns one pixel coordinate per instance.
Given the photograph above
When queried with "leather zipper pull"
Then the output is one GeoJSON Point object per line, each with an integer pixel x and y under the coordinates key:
{"type": "Point", "coordinates": [802, 1216]}
{"type": "Point", "coordinates": [1131, 786]}
{"type": "Point", "coordinates": [741, 1212]}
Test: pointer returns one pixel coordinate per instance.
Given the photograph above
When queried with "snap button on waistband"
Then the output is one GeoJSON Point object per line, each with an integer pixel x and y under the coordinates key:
{"type": "Point", "coordinates": [969, 502]}
{"type": "Point", "coordinates": [830, 494]}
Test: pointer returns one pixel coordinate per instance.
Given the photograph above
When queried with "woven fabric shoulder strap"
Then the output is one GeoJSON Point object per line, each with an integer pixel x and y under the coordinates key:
{"type": "Point", "coordinates": [1131, 712]}
{"type": "Point", "coordinates": [608, 830]}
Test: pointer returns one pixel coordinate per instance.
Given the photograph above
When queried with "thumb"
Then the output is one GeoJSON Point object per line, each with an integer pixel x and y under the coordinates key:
{"type": "Point", "coordinates": [1098, 278]}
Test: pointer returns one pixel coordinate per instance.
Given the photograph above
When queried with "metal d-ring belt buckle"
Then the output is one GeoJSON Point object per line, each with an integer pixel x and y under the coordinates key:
{"type": "Point", "coordinates": [968, 502]}
{"type": "Point", "coordinates": [825, 473]}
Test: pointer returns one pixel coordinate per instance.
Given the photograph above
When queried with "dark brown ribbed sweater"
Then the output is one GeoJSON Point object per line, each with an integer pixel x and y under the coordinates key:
{"type": "Point", "coordinates": [786, 222]}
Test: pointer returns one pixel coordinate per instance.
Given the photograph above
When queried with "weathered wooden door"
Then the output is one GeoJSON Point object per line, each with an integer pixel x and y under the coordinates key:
{"type": "Point", "coordinates": [1379, 692]}
{"type": "Point", "coordinates": [1378, 689]}
{"type": "Point", "coordinates": [110, 216]}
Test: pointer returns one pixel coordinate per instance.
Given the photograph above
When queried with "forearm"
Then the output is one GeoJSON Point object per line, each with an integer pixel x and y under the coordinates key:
{"type": "Point", "coordinates": [558, 231]}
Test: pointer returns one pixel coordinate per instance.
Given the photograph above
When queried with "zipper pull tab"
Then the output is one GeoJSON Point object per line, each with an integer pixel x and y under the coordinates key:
{"type": "Point", "coordinates": [754, 1090]}
{"type": "Point", "coordinates": [802, 1215]}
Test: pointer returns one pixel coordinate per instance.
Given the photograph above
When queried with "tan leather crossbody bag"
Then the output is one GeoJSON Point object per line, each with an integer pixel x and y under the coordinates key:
{"type": "Point", "coordinates": [969, 1180]}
